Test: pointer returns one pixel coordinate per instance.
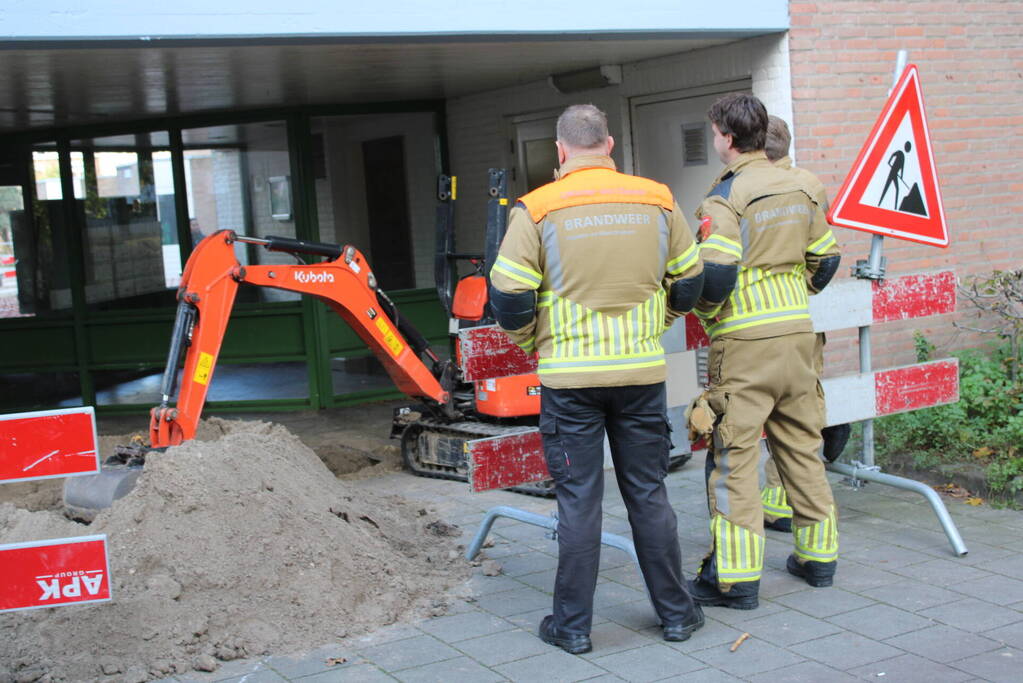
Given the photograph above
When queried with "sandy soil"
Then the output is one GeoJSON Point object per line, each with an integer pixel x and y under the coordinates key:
{"type": "Point", "coordinates": [236, 544]}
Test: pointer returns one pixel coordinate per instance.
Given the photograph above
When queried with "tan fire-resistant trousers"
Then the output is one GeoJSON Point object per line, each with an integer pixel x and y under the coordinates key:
{"type": "Point", "coordinates": [773, 487]}
{"type": "Point", "coordinates": [771, 386]}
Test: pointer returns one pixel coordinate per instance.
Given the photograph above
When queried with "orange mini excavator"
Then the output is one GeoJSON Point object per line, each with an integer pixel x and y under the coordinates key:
{"type": "Point", "coordinates": [450, 412]}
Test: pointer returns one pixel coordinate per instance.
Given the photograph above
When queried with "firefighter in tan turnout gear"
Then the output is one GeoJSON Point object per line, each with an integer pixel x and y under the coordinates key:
{"type": "Point", "coordinates": [761, 235]}
{"type": "Point", "coordinates": [777, 511]}
{"type": "Point", "coordinates": [593, 269]}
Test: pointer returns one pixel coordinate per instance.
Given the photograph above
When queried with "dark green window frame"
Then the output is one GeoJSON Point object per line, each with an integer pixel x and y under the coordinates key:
{"type": "Point", "coordinates": [82, 341]}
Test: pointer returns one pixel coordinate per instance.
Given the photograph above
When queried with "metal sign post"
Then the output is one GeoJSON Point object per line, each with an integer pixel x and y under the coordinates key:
{"type": "Point", "coordinates": [874, 269]}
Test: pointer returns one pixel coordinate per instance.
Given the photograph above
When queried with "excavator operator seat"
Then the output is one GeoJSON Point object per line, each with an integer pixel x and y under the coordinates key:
{"type": "Point", "coordinates": [470, 298]}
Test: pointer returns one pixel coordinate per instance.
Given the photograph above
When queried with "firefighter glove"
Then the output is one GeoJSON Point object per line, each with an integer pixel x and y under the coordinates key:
{"type": "Point", "coordinates": [700, 418]}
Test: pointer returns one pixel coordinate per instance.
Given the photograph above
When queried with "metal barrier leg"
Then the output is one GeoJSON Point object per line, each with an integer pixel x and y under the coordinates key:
{"type": "Point", "coordinates": [856, 471]}
{"type": "Point", "coordinates": [550, 523]}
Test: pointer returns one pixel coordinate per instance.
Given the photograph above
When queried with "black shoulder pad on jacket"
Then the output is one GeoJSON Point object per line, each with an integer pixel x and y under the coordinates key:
{"type": "Point", "coordinates": [724, 188]}
{"type": "Point", "coordinates": [685, 292]}
{"type": "Point", "coordinates": [718, 281]}
{"type": "Point", "coordinates": [512, 311]}
{"type": "Point", "coordinates": [825, 271]}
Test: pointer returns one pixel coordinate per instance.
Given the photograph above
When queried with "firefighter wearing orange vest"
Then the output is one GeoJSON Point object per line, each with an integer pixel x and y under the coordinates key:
{"type": "Point", "coordinates": [593, 269]}
{"type": "Point", "coordinates": [777, 511]}
{"type": "Point", "coordinates": [761, 235]}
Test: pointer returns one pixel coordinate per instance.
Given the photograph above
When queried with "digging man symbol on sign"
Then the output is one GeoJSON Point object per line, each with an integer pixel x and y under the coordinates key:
{"type": "Point", "coordinates": [912, 202]}
{"type": "Point", "coordinates": [897, 162]}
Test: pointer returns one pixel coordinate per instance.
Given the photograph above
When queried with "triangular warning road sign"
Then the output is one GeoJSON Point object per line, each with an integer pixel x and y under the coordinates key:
{"type": "Point", "coordinates": [892, 188]}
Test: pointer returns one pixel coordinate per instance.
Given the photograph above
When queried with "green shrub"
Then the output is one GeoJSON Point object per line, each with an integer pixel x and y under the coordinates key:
{"type": "Point", "coordinates": [1007, 476]}
{"type": "Point", "coordinates": [985, 427]}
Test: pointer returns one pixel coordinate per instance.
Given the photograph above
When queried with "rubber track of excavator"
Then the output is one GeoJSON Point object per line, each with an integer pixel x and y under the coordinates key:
{"type": "Point", "coordinates": [468, 431]}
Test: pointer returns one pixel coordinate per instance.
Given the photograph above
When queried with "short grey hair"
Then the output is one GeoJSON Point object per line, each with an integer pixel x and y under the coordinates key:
{"type": "Point", "coordinates": [778, 138]}
{"type": "Point", "coordinates": [583, 126]}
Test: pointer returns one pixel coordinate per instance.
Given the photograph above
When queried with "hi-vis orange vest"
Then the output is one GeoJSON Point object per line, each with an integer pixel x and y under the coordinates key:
{"type": "Point", "coordinates": [597, 186]}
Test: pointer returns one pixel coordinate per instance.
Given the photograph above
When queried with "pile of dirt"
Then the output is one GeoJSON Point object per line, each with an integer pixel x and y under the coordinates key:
{"type": "Point", "coordinates": [233, 545]}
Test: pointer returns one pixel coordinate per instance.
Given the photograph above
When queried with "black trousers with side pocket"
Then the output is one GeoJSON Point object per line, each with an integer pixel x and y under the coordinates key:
{"type": "Point", "coordinates": [573, 423]}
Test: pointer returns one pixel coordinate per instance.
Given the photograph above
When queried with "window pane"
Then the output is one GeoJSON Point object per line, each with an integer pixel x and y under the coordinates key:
{"type": "Point", "coordinates": [231, 382]}
{"type": "Point", "coordinates": [12, 212]}
{"type": "Point", "coordinates": [353, 374]}
{"type": "Point", "coordinates": [39, 250]}
{"type": "Point", "coordinates": [25, 391]}
{"type": "Point", "coordinates": [132, 257]}
{"type": "Point", "coordinates": [541, 160]}
{"type": "Point", "coordinates": [238, 178]}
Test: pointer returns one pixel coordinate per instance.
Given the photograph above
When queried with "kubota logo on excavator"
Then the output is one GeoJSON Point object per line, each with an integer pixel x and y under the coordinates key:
{"type": "Point", "coordinates": [304, 276]}
{"type": "Point", "coordinates": [390, 338]}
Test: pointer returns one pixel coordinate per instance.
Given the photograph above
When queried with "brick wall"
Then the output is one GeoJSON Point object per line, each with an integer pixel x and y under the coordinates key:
{"type": "Point", "coordinates": [970, 57]}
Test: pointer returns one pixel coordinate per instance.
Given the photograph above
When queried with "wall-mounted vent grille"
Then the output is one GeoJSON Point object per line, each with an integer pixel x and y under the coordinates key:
{"type": "Point", "coordinates": [694, 144]}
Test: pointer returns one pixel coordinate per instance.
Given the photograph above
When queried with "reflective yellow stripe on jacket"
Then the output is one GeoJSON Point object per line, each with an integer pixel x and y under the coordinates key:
{"type": "Point", "coordinates": [584, 340]}
{"type": "Point", "coordinates": [686, 259]}
{"type": "Point", "coordinates": [518, 272]}
{"type": "Point", "coordinates": [761, 297]}
{"type": "Point", "coordinates": [822, 245]}
{"type": "Point", "coordinates": [723, 244]}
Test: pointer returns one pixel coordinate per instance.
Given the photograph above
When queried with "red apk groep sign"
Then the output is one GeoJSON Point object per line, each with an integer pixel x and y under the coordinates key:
{"type": "Point", "coordinates": [60, 571]}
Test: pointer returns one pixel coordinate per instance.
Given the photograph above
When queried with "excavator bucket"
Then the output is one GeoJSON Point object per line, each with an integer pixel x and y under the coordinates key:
{"type": "Point", "coordinates": [87, 495]}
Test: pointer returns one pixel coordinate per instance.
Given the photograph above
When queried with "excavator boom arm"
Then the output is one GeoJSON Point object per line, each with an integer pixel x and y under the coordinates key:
{"type": "Point", "coordinates": [207, 293]}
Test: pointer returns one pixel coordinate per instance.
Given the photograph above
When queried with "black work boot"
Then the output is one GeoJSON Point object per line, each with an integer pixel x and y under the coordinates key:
{"type": "Point", "coordinates": [705, 591]}
{"type": "Point", "coordinates": [709, 594]}
{"type": "Point", "coordinates": [676, 633]}
{"type": "Point", "coordinates": [817, 574]}
{"type": "Point", "coordinates": [572, 644]}
{"type": "Point", "coordinates": [780, 524]}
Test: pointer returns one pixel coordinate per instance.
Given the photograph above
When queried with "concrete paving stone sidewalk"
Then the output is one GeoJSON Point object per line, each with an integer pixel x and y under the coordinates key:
{"type": "Point", "coordinates": [903, 607]}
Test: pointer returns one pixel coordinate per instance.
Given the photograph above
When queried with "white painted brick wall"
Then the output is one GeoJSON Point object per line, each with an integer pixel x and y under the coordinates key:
{"type": "Point", "coordinates": [479, 130]}
{"type": "Point", "coordinates": [227, 190]}
{"type": "Point", "coordinates": [479, 133]}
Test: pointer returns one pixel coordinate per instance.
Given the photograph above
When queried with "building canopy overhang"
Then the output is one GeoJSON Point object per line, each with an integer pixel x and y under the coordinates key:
{"type": "Point", "coordinates": [98, 65]}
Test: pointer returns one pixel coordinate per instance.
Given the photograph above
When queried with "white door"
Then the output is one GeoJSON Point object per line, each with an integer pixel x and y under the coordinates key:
{"type": "Point", "coordinates": [672, 141]}
{"type": "Point", "coordinates": [536, 157]}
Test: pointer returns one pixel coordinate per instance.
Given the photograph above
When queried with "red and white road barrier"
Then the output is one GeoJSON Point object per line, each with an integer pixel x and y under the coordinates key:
{"type": "Point", "coordinates": [503, 461]}
{"type": "Point", "coordinates": [859, 303]}
{"type": "Point", "coordinates": [854, 398]}
{"type": "Point", "coordinates": [62, 571]}
{"type": "Point", "coordinates": [47, 444]}
{"type": "Point", "coordinates": [487, 353]}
